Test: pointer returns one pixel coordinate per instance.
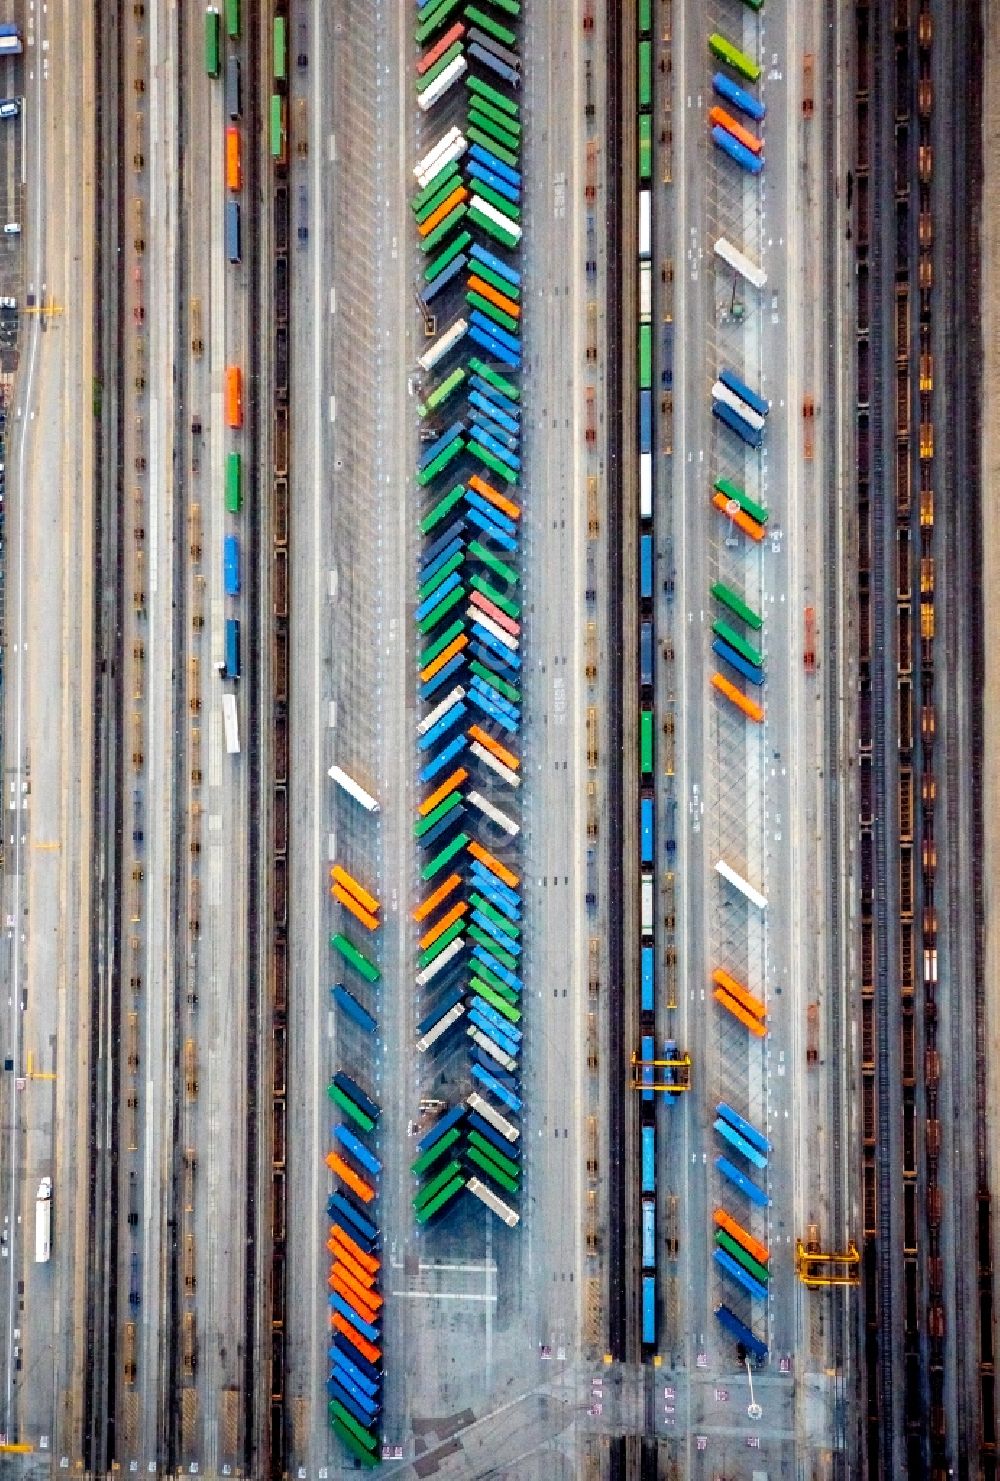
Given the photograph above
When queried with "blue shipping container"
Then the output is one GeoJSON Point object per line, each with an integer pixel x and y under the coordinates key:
{"type": "Point", "coordinates": [234, 236]}
{"type": "Point", "coordinates": [649, 1234]}
{"type": "Point", "coordinates": [649, 1311]}
{"type": "Point", "coordinates": [741, 1332]}
{"type": "Point", "coordinates": [232, 648]}
{"type": "Point", "coordinates": [738, 96]}
{"type": "Point", "coordinates": [648, 979]}
{"type": "Point", "coordinates": [753, 1136]}
{"type": "Point", "coordinates": [231, 565]}
{"type": "Point", "coordinates": [646, 828]}
{"type": "Point", "coordinates": [737, 661]}
{"type": "Point", "coordinates": [648, 1159]}
{"type": "Point", "coordinates": [744, 157]}
{"type": "Point", "coordinates": [345, 1136]}
{"type": "Point", "coordinates": [646, 566]}
{"type": "Point", "coordinates": [742, 1146]}
{"type": "Point", "coordinates": [646, 655]}
{"type": "Point", "coordinates": [349, 1003]}
{"type": "Point", "coordinates": [648, 1053]}
{"type": "Point", "coordinates": [742, 390]}
{"type": "Point", "coordinates": [645, 421]}
{"type": "Point", "coordinates": [750, 435]}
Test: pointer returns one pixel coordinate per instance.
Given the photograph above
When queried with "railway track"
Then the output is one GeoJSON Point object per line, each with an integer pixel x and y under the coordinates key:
{"type": "Point", "coordinates": [273, 540]}
{"type": "Point", "coordinates": [618, 1274]}
{"type": "Point", "coordinates": [917, 1215]}
{"type": "Point", "coordinates": [109, 443]}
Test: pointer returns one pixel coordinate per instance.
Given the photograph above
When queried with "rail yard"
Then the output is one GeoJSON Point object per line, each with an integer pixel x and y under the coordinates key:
{"type": "Point", "coordinates": [495, 595]}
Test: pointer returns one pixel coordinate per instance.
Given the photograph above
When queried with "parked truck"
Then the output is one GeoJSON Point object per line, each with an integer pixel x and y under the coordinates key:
{"type": "Point", "coordinates": [43, 1221]}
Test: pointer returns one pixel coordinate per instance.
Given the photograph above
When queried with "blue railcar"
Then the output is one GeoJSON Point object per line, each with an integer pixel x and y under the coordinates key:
{"type": "Point", "coordinates": [742, 390]}
{"type": "Point", "coordinates": [646, 567]}
{"type": "Point", "coordinates": [345, 1136]}
{"type": "Point", "coordinates": [738, 96]}
{"type": "Point", "coordinates": [649, 1234]}
{"type": "Point", "coordinates": [648, 1159]}
{"type": "Point", "coordinates": [743, 156]}
{"type": "Point", "coordinates": [743, 1126]}
{"type": "Point", "coordinates": [732, 1324]}
{"type": "Point", "coordinates": [234, 88]}
{"type": "Point", "coordinates": [646, 655]}
{"type": "Point", "coordinates": [649, 1311]}
{"type": "Point", "coordinates": [646, 829]}
{"type": "Point", "coordinates": [648, 1052]}
{"type": "Point", "coordinates": [736, 660]}
{"type": "Point", "coordinates": [645, 421]}
{"type": "Point", "coordinates": [231, 565]}
{"type": "Point", "coordinates": [350, 1005]}
{"type": "Point", "coordinates": [234, 233]}
{"type": "Point", "coordinates": [648, 968]}
{"type": "Point", "coordinates": [232, 648]}
{"type": "Point", "coordinates": [725, 414]}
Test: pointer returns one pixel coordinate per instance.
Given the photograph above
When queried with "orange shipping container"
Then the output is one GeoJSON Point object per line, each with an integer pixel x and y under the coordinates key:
{"type": "Point", "coordinates": [234, 396]}
{"type": "Point", "coordinates": [234, 164]}
{"type": "Point", "coordinates": [733, 126]}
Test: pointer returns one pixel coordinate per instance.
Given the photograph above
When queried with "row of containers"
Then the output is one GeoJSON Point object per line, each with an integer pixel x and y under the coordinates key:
{"type": "Point", "coordinates": [229, 663]}
{"type": "Point", "coordinates": [466, 208]}
{"type": "Point", "coordinates": [743, 412]}
{"type": "Point", "coordinates": [467, 214]}
{"type": "Point", "coordinates": [355, 1376]}
{"type": "Point", "coordinates": [742, 1261]}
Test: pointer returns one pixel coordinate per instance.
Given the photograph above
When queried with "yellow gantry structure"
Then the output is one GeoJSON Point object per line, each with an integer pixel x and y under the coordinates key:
{"type": "Point", "coordinates": [818, 1268]}
{"type": "Point", "coordinates": [682, 1077]}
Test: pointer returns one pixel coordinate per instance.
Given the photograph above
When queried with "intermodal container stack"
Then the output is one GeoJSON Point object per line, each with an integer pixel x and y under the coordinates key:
{"type": "Point", "coordinates": [468, 610]}
{"type": "Point", "coordinates": [354, 1382]}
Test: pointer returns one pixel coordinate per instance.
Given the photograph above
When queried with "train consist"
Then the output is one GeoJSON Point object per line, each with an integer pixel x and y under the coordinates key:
{"type": "Point", "coordinates": [741, 1260]}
